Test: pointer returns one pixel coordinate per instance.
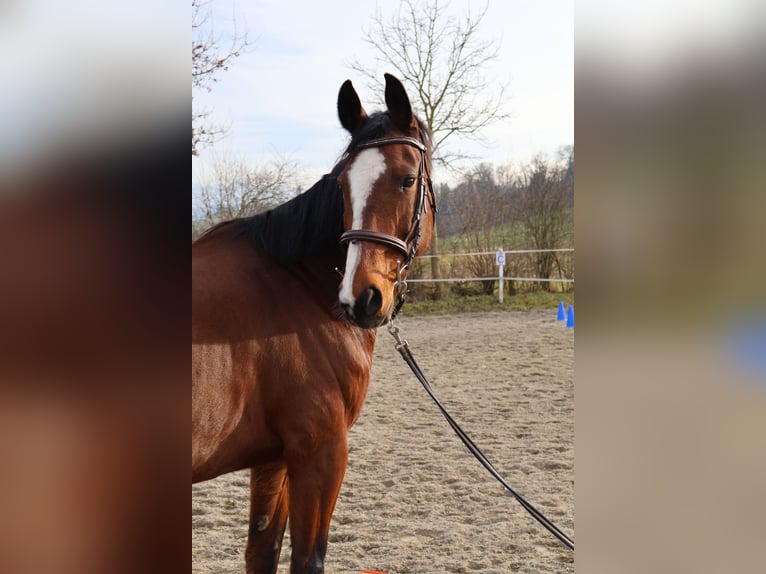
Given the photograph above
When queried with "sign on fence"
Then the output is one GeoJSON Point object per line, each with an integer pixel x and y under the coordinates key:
{"type": "Point", "coordinates": [500, 257]}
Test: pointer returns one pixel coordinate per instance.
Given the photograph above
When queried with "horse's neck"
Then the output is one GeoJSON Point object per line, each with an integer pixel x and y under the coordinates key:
{"type": "Point", "coordinates": [321, 276]}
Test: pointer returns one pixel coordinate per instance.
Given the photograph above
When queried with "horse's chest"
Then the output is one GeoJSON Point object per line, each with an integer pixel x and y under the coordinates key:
{"type": "Point", "coordinates": [306, 358]}
{"type": "Point", "coordinates": [317, 371]}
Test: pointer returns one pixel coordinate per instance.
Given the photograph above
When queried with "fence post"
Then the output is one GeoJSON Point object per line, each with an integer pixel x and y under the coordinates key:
{"type": "Point", "coordinates": [500, 261]}
{"type": "Point", "coordinates": [500, 287]}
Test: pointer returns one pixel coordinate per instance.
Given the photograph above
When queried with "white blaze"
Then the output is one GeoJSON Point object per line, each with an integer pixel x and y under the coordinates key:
{"type": "Point", "coordinates": [362, 175]}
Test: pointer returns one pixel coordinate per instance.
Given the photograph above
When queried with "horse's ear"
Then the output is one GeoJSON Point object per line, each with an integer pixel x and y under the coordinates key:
{"type": "Point", "coordinates": [398, 104]}
{"type": "Point", "coordinates": [350, 110]}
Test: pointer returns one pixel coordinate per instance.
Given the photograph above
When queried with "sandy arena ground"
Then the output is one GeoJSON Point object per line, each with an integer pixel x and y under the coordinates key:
{"type": "Point", "coordinates": [414, 500]}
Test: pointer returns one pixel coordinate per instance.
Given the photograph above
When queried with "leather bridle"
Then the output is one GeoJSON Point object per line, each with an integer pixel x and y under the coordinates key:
{"type": "Point", "coordinates": [408, 246]}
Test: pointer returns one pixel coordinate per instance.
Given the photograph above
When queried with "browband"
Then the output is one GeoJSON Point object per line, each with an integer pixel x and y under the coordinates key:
{"type": "Point", "coordinates": [393, 140]}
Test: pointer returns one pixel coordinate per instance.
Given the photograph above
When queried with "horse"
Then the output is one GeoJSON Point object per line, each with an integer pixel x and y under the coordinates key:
{"type": "Point", "coordinates": [285, 306]}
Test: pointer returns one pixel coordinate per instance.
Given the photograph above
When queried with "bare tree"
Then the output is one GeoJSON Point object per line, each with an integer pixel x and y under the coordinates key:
{"type": "Point", "coordinates": [208, 59]}
{"type": "Point", "coordinates": [442, 58]}
{"type": "Point", "coordinates": [480, 216]}
{"type": "Point", "coordinates": [543, 205]}
{"type": "Point", "coordinates": [235, 189]}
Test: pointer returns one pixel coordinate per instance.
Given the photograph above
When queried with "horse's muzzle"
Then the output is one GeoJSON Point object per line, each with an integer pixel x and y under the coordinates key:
{"type": "Point", "coordinates": [365, 310]}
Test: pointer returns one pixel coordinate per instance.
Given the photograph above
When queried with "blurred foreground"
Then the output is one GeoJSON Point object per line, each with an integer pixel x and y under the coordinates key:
{"type": "Point", "coordinates": [93, 293]}
{"type": "Point", "coordinates": [670, 379]}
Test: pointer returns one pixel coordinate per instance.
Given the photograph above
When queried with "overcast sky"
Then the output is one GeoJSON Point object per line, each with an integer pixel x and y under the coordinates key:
{"type": "Point", "coordinates": [280, 96]}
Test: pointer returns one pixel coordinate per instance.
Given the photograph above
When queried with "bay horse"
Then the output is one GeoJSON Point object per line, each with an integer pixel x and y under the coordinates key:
{"type": "Point", "coordinates": [285, 306]}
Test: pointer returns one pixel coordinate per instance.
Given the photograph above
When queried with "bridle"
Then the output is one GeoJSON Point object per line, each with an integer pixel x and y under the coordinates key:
{"type": "Point", "coordinates": [424, 186]}
{"type": "Point", "coordinates": [408, 246]}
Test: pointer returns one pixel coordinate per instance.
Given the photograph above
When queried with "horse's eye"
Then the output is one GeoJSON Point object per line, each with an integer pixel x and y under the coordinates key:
{"type": "Point", "coordinates": [407, 182]}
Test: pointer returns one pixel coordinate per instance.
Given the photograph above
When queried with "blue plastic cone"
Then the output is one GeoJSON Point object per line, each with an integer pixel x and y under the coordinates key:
{"type": "Point", "coordinates": [570, 317]}
{"type": "Point", "coordinates": [562, 315]}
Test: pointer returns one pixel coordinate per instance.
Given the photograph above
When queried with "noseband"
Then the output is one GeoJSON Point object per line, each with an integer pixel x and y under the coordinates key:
{"type": "Point", "coordinates": [413, 235]}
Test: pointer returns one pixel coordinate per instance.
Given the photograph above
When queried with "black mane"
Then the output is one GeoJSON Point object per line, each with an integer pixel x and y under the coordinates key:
{"type": "Point", "coordinates": [311, 223]}
{"type": "Point", "coordinates": [306, 226]}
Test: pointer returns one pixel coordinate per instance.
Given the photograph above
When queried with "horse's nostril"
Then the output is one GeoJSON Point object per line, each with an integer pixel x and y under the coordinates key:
{"type": "Point", "coordinates": [369, 302]}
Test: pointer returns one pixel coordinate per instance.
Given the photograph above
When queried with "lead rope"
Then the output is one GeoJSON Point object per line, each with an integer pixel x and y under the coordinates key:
{"type": "Point", "coordinates": [404, 350]}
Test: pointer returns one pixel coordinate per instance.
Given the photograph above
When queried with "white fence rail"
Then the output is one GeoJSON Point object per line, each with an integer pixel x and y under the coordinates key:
{"type": "Point", "coordinates": [506, 278]}
{"type": "Point", "coordinates": [500, 278]}
{"type": "Point", "coordinates": [509, 251]}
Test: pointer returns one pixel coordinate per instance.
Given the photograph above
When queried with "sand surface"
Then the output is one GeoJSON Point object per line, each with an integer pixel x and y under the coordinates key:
{"type": "Point", "coordinates": [413, 499]}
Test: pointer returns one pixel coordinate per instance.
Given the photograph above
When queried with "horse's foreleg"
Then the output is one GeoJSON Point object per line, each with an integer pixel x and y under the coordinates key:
{"type": "Point", "coordinates": [315, 482]}
{"type": "Point", "coordinates": [268, 516]}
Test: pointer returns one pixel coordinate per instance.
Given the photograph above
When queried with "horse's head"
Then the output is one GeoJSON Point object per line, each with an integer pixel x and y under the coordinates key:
{"type": "Point", "coordinates": [388, 202]}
